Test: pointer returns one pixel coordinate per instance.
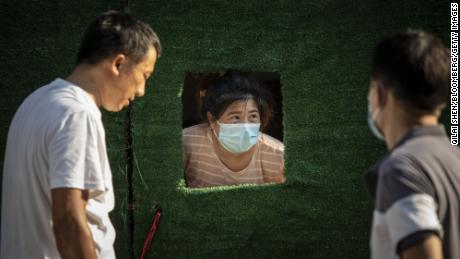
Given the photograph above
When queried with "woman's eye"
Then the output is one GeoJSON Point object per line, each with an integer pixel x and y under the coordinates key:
{"type": "Point", "coordinates": [254, 116]}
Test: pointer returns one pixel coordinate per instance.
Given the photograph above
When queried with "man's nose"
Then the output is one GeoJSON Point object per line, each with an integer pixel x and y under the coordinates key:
{"type": "Point", "coordinates": [140, 91]}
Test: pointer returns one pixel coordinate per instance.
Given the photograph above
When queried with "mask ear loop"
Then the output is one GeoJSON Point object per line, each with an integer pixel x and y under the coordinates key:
{"type": "Point", "coordinates": [213, 130]}
{"type": "Point", "coordinates": [216, 136]}
{"type": "Point", "coordinates": [376, 113]}
{"type": "Point", "coordinates": [380, 99]}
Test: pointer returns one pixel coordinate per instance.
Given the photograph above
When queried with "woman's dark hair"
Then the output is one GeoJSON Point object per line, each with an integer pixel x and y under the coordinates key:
{"type": "Point", "coordinates": [416, 66]}
{"type": "Point", "coordinates": [114, 32]}
{"type": "Point", "coordinates": [236, 86]}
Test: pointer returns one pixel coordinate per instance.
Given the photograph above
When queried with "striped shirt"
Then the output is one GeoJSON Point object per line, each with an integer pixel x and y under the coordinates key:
{"type": "Point", "coordinates": [203, 168]}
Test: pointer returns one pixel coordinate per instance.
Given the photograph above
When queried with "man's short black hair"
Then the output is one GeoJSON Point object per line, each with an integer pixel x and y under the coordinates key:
{"type": "Point", "coordinates": [112, 33]}
{"type": "Point", "coordinates": [415, 66]}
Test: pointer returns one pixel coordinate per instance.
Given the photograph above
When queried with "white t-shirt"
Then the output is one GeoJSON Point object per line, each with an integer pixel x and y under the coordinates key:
{"type": "Point", "coordinates": [56, 139]}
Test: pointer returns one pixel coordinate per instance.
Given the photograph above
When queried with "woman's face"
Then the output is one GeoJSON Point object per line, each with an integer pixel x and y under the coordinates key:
{"type": "Point", "coordinates": [241, 138]}
{"type": "Point", "coordinates": [244, 111]}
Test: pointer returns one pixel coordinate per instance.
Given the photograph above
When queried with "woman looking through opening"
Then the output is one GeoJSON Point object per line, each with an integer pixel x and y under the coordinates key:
{"type": "Point", "coordinates": [229, 148]}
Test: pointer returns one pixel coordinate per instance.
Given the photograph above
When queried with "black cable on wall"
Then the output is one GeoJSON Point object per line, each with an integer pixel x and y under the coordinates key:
{"type": "Point", "coordinates": [130, 166]}
{"type": "Point", "coordinates": [129, 174]}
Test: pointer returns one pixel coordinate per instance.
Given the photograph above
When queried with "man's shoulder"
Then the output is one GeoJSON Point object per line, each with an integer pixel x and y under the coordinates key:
{"type": "Point", "coordinates": [72, 97]}
{"type": "Point", "coordinates": [60, 99]}
{"type": "Point", "coordinates": [413, 152]}
{"type": "Point", "coordinates": [420, 155]}
{"type": "Point", "coordinates": [428, 146]}
{"type": "Point", "coordinates": [398, 159]}
{"type": "Point", "coordinates": [401, 175]}
{"type": "Point", "coordinates": [54, 108]}
{"type": "Point", "coordinates": [400, 164]}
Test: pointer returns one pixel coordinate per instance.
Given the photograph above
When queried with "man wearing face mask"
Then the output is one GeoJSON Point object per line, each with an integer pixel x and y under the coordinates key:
{"type": "Point", "coordinates": [229, 149]}
{"type": "Point", "coordinates": [416, 186]}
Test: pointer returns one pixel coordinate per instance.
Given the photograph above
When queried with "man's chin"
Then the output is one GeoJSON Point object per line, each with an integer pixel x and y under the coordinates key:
{"type": "Point", "coordinates": [121, 107]}
{"type": "Point", "coordinates": [116, 108]}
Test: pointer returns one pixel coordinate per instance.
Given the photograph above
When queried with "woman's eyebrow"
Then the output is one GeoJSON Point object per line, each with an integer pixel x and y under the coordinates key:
{"type": "Point", "coordinates": [234, 113]}
{"type": "Point", "coordinates": [253, 110]}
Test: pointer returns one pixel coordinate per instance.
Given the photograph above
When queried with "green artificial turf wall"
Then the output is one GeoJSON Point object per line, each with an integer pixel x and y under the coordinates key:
{"type": "Point", "coordinates": [322, 51]}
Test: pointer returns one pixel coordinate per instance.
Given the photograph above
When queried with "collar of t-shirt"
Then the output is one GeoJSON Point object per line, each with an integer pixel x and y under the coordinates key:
{"type": "Point", "coordinates": [371, 175]}
{"type": "Point", "coordinates": [82, 93]}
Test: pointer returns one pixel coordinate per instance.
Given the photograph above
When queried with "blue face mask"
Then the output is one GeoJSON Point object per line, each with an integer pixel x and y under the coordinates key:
{"type": "Point", "coordinates": [372, 125]}
{"type": "Point", "coordinates": [239, 137]}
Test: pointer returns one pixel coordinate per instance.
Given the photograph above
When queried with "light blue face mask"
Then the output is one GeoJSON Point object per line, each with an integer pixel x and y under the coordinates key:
{"type": "Point", "coordinates": [372, 125]}
{"type": "Point", "coordinates": [238, 137]}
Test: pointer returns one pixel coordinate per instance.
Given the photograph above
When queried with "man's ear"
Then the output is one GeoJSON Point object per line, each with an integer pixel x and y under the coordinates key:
{"type": "Point", "coordinates": [117, 62]}
{"type": "Point", "coordinates": [382, 94]}
{"type": "Point", "coordinates": [439, 109]}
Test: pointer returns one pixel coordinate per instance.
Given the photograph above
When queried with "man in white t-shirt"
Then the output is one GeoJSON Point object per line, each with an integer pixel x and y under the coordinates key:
{"type": "Point", "coordinates": [57, 183]}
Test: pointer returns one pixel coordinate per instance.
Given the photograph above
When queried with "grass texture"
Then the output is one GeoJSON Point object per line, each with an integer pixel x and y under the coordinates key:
{"type": "Point", "coordinates": [322, 51]}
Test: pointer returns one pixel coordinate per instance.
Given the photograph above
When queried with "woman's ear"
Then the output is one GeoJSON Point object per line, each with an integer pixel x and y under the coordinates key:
{"type": "Point", "coordinates": [212, 123]}
{"type": "Point", "coordinates": [210, 117]}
